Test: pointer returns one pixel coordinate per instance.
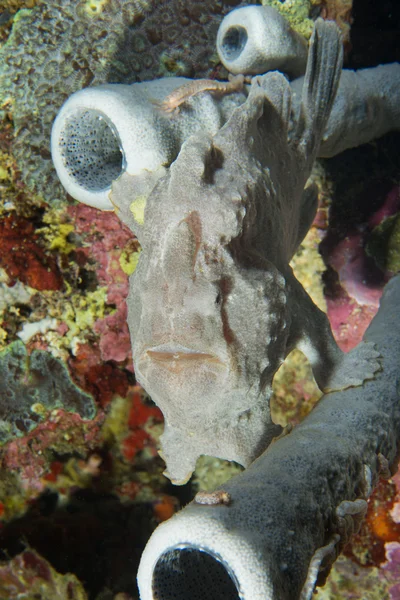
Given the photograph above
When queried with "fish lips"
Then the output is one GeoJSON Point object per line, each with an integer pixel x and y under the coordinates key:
{"type": "Point", "coordinates": [170, 372]}
{"type": "Point", "coordinates": [179, 358]}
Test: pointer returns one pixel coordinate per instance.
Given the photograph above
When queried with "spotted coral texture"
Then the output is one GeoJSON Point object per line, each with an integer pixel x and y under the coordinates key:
{"type": "Point", "coordinates": [62, 46]}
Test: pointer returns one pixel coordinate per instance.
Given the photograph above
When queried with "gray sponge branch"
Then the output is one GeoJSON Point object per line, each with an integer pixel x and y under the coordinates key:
{"type": "Point", "coordinates": [273, 532]}
{"type": "Point", "coordinates": [365, 108]}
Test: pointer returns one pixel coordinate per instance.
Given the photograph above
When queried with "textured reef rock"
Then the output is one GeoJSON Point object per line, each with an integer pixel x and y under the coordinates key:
{"type": "Point", "coordinates": [106, 251]}
{"type": "Point", "coordinates": [31, 389]}
{"type": "Point", "coordinates": [41, 413]}
{"type": "Point", "coordinates": [23, 258]}
{"type": "Point", "coordinates": [30, 575]}
{"type": "Point", "coordinates": [372, 559]}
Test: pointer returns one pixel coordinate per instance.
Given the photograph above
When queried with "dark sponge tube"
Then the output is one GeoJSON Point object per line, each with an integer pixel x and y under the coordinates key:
{"type": "Point", "coordinates": [273, 532]}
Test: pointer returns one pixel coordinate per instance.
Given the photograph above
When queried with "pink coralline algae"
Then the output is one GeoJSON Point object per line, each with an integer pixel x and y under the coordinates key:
{"type": "Point", "coordinates": [30, 456]}
{"type": "Point", "coordinates": [139, 415]}
{"type": "Point", "coordinates": [114, 337]}
{"type": "Point", "coordinates": [395, 512]}
{"type": "Point", "coordinates": [391, 568]}
{"type": "Point", "coordinates": [353, 298]}
{"type": "Point", "coordinates": [348, 319]}
{"type": "Point", "coordinates": [359, 274]}
{"type": "Point", "coordinates": [24, 258]}
{"type": "Point", "coordinates": [101, 380]}
{"type": "Point", "coordinates": [354, 267]}
{"type": "Point", "coordinates": [103, 238]}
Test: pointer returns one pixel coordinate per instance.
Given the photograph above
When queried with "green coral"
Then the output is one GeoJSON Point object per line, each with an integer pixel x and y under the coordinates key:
{"type": "Point", "coordinates": [297, 12]}
{"type": "Point", "coordinates": [81, 312]}
{"type": "Point", "coordinates": [31, 386]}
{"type": "Point", "coordinates": [56, 233]}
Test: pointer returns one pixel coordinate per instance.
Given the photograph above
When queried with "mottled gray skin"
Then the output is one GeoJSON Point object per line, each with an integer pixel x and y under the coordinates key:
{"type": "Point", "coordinates": [303, 498]}
{"type": "Point", "coordinates": [213, 307]}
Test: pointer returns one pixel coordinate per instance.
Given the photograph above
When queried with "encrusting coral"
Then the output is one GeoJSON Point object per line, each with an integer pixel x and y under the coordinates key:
{"type": "Point", "coordinates": [297, 12]}
{"type": "Point", "coordinates": [23, 258]}
{"type": "Point", "coordinates": [11, 6]}
{"type": "Point", "coordinates": [30, 391]}
{"type": "Point", "coordinates": [30, 575]}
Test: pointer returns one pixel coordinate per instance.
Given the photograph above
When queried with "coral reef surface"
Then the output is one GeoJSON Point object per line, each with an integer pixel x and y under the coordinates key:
{"type": "Point", "coordinates": [85, 493]}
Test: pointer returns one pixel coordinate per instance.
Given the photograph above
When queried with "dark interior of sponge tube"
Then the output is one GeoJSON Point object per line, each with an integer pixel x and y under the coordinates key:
{"type": "Point", "coordinates": [90, 149]}
{"type": "Point", "coordinates": [189, 573]}
{"type": "Point", "coordinates": [233, 42]}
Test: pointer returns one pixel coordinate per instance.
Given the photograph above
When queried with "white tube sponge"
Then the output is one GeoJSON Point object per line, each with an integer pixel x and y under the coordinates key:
{"type": "Point", "coordinates": [103, 131]}
{"type": "Point", "coordinates": [277, 526]}
{"type": "Point", "coordinates": [367, 105]}
{"type": "Point", "coordinates": [255, 39]}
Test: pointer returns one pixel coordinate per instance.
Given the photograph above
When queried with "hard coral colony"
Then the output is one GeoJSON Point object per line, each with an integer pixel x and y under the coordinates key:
{"type": "Point", "coordinates": [120, 147]}
{"type": "Point", "coordinates": [60, 47]}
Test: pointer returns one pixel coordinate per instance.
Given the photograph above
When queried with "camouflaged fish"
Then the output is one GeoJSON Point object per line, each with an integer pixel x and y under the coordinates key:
{"type": "Point", "coordinates": [214, 307]}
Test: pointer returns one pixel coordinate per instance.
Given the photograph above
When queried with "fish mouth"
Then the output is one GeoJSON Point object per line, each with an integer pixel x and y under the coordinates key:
{"type": "Point", "coordinates": [180, 357]}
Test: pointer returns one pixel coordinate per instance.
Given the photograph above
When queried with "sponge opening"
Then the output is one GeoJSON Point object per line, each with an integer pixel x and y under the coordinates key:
{"type": "Point", "coordinates": [187, 572]}
{"type": "Point", "coordinates": [90, 150]}
{"type": "Point", "coordinates": [234, 42]}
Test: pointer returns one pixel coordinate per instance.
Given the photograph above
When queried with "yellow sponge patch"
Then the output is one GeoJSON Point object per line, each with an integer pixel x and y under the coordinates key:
{"type": "Point", "coordinates": [137, 209]}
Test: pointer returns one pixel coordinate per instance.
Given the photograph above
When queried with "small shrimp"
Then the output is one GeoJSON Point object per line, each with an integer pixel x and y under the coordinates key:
{"type": "Point", "coordinates": [180, 95]}
{"type": "Point", "coordinates": [213, 498]}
